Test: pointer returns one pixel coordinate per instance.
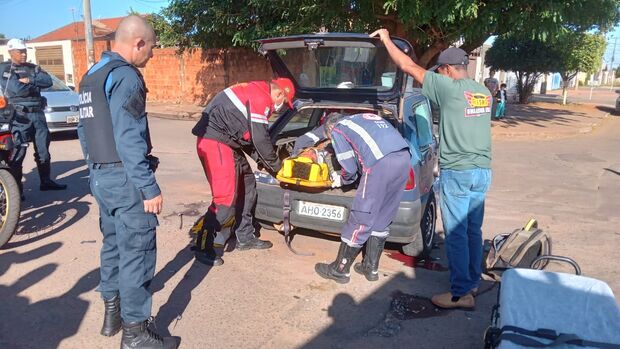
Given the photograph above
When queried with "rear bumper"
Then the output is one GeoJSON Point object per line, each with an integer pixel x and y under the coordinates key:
{"type": "Point", "coordinates": [404, 229]}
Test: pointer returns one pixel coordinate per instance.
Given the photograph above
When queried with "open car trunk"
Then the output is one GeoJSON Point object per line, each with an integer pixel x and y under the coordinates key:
{"type": "Point", "coordinates": [288, 128]}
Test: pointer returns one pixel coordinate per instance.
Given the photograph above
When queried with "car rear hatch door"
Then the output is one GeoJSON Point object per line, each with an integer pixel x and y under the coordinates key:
{"type": "Point", "coordinates": [337, 66]}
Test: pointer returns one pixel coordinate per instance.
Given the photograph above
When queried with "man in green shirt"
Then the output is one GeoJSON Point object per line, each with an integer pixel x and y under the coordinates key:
{"type": "Point", "coordinates": [464, 160]}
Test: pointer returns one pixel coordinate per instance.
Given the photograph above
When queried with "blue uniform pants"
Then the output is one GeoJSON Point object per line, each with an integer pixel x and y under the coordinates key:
{"type": "Point", "coordinates": [129, 250]}
{"type": "Point", "coordinates": [377, 199]}
{"type": "Point", "coordinates": [31, 127]}
{"type": "Point", "coordinates": [462, 213]}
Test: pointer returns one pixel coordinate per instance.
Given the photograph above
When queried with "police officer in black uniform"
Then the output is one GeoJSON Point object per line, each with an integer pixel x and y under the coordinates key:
{"type": "Point", "coordinates": [23, 83]}
{"type": "Point", "coordinates": [114, 135]}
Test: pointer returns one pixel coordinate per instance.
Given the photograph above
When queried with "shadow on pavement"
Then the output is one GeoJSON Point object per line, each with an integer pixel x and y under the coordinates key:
{"type": "Point", "coordinates": [605, 109]}
{"type": "Point", "coordinates": [181, 296]}
{"type": "Point", "coordinates": [46, 323]}
{"type": "Point", "coordinates": [47, 213]}
{"type": "Point", "coordinates": [371, 323]}
{"type": "Point", "coordinates": [539, 116]}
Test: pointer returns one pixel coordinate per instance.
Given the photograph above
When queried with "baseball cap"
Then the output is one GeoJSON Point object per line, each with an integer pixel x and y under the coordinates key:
{"type": "Point", "coordinates": [289, 89]}
{"type": "Point", "coordinates": [451, 56]}
{"type": "Point", "coordinates": [16, 44]}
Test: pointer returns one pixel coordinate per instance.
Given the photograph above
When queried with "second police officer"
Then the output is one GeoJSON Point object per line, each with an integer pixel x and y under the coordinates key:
{"type": "Point", "coordinates": [22, 82]}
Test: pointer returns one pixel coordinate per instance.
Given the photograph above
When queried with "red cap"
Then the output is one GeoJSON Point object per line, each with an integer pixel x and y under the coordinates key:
{"type": "Point", "coordinates": [289, 89]}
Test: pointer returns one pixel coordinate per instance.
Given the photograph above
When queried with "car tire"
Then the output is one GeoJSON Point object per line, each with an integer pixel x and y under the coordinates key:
{"type": "Point", "coordinates": [423, 244]}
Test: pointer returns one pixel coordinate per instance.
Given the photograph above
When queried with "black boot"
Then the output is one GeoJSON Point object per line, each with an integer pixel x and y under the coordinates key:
{"type": "Point", "coordinates": [46, 182]}
{"type": "Point", "coordinates": [137, 335]}
{"type": "Point", "coordinates": [370, 265]}
{"type": "Point", "coordinates": [254, 244]}
{"type": "Point", "coordinates": [112, 319]}
{"type": "Point", "coordinates": [204, 251]}
{"type": "Point", "coordinates": [340, 268]}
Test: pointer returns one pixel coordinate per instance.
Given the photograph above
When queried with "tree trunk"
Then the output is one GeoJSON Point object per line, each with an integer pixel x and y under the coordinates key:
{"type": "Point", "coordinates": [427, 58]}
{"type": "Point", "coordinates": [565, 80]}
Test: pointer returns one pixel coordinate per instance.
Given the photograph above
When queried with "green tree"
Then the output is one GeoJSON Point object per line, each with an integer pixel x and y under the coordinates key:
{"type": "Point", "coordinates": [2, 36]}
{"type": "Point", "coordinates": [430, 25]}
{"type": "Point", "coordinates": [578, 52]}
{"type": "Point", "coordinates": [527, 58]}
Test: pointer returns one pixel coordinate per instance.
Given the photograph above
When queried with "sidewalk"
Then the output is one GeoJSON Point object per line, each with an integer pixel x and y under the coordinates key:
{"type": "Point", "coordinates": [539, 120]}
{"type": "Point", "coordinates": [543, 120]}
{"type": "Point", "coordinates": [173, 111]}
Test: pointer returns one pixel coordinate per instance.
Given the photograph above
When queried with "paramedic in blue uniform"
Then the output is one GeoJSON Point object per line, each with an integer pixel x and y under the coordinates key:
{"type": "Point", "coordinates": [23, 82]}
{"type": "Point", "coordinates": [371, 151]}
{"type": "Point", "coordinates": [114, 135]}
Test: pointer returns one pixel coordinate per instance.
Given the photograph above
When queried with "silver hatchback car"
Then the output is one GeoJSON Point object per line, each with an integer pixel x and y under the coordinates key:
{"type": "Point", "coordinates": [62, 112]}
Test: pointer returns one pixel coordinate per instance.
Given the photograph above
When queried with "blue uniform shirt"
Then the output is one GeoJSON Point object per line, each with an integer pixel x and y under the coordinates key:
{"type": "Point", "coordinates": [130, 133]}
{"type": "Point", "coordinates": [14, 88]}
{"type": "Point", "coordinates": [361, 140]}
{"type": "Point", "coordinates": [309, 139]}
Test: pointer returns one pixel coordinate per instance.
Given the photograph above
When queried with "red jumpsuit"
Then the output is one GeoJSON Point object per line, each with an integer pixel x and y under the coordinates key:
{"type": "Point", "coordinates": [225, 133]}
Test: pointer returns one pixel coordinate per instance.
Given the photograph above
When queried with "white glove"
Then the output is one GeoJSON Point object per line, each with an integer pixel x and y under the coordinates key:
{"type": "Point", "coordinates": [336, 179]}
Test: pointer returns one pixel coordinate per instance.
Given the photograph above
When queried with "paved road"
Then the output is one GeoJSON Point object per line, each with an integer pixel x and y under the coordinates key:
{"type": "Point", "coordinates": [272, 299]}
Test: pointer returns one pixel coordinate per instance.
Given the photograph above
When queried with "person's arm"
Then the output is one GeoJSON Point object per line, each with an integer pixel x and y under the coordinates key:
{"type": "Point", "coordinates": [15, 87]}
{"type": "Point", "coordinates": [41, 78]}
{"type": "Point", "coordinates": [309, 139]}
{"type": "Point", "coordinates": [404, 62]}
{"type": "Point", "coordinates": [346, 157]}
{"type": "Point", "coordinates": [260, 109]}
{"type": "Point", "coordinates": [127, 107]}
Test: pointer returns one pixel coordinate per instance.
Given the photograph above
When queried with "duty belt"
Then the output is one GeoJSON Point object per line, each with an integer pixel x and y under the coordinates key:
{"type": "Point", "coordinates": [107, 165]}
{"type": "Point", "coordinates": [25, 109]}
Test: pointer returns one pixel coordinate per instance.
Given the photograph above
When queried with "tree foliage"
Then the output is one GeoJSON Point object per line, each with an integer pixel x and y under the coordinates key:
{"type": "Point", "coordinates": [578, 52]}
{"type": "Point", "coordinates": [429, 24]}
{"type": "Point", "coordinates": [2, 36]}
{"type": "Point", "coordinates": [527, 58]}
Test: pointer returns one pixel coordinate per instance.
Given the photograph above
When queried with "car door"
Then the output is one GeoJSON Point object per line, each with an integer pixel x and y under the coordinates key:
{"type": "Point", "coordinates": [419, 131]}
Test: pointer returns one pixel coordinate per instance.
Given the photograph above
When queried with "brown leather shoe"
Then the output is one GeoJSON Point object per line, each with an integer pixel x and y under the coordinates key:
{"type": "Point", "coordinates": [446, 301]}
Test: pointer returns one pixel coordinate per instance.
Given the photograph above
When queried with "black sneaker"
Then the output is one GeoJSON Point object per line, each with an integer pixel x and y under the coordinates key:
{"type": "Point", "coordinates": [254, 244]}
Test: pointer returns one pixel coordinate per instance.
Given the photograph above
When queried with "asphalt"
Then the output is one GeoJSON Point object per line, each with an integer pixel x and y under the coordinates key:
{"type": "Point", "coordinates": [273, 299]}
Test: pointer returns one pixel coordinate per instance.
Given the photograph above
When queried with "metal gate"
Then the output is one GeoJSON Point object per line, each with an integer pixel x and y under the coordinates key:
{"type": "Point", "coordinates": [51, 60]}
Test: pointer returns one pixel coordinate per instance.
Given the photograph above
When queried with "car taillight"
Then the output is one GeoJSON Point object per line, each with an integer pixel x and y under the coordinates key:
{"type": "Point", "coordinates": [410, 180]}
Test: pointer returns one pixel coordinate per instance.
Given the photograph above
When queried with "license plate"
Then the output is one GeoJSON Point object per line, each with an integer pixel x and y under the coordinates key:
{"type": "Point", "coordinates": [72, 119]}
{"type": "Point", "coordinates": [311, 209]}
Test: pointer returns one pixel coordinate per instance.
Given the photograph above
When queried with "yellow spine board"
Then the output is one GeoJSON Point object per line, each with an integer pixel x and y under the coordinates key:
{"type": "Point", "coordinates": [318, 176]}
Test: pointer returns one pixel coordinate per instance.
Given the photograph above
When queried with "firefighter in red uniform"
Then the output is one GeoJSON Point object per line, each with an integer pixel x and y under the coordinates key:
{"type": "Point", "coordinates": [232, 124]}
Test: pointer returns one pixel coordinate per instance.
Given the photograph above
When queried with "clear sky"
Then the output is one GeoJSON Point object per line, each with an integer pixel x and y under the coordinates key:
{"type": "Point", "coordinates": [31, 18]}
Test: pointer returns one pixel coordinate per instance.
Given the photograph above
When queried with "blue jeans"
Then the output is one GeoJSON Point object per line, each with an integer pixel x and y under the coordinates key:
{"type": "Point", "coordinates": [462, 212]}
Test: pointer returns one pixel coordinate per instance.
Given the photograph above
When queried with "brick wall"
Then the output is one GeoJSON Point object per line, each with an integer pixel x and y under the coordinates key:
{"type": "Point", "coordinates": [192, 77]}
{"type": "Point", "coordinates": [78, 49]}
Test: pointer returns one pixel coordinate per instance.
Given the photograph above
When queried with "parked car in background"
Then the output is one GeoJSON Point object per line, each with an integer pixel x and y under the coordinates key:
{"type": "Point", "coordinates": [618, 105]}
{"type": "Point", "coordinates": [62, 112]}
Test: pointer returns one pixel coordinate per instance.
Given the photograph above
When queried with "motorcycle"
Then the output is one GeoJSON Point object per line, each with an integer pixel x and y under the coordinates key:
{"type": "Point", "coordinates": [10, 197]}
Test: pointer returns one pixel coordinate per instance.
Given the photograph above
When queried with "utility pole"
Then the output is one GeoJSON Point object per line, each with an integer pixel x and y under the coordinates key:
{"type": "Point", "coordinates": [613, 72]}
{"type": "Point", "coordinates": [88, 31]}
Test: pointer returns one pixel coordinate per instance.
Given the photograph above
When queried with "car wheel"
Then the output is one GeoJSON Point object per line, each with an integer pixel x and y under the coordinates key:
{"type": "Point", "coordinates": [423, 244]}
